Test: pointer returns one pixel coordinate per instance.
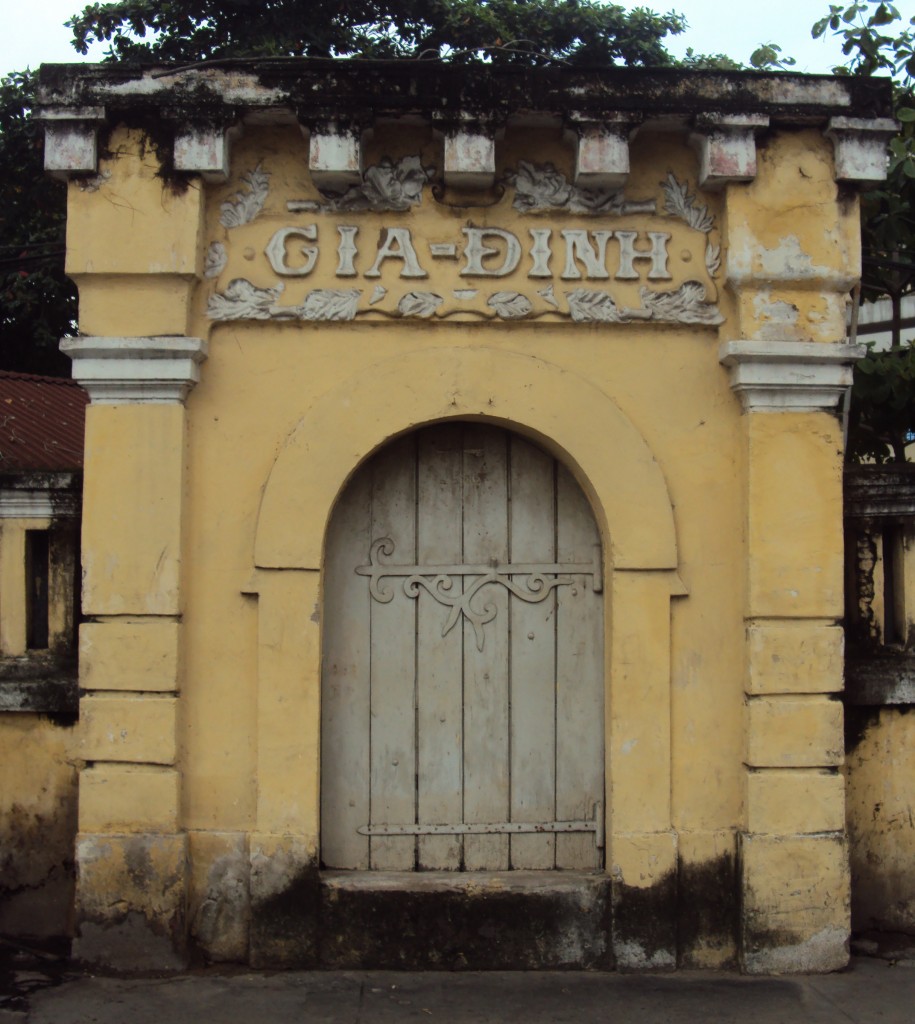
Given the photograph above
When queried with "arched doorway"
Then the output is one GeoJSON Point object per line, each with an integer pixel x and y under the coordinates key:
{"type": "Point", "coordinates": [462, 677]}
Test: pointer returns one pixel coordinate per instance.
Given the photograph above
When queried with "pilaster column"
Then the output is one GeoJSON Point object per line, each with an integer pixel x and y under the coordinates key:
{"type": "Point", "coordinates": [131, 848]}
{"type": "Point", "coordinates": [793, 850]}
{"type": "Point", "coordinates": [642, 845]}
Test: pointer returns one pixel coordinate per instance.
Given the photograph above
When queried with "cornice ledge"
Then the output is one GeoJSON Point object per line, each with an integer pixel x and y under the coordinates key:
{"type": "Point", "coordinates": [158, 370]}
{"type": "Point", "coordinates": [789, 376]}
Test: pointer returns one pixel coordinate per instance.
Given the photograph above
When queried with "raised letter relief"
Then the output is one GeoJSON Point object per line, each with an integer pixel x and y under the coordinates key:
{"type": "Point", "coordinates": [328, 253]}
{"type": "Point", "coordinates": [438, 580]}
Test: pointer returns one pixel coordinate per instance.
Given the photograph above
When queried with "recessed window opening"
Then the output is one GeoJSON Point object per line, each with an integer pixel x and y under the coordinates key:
{"type": "Point", "coordinates": [893, 598]}
{"type": "Point", "coordinates": [36, 589]}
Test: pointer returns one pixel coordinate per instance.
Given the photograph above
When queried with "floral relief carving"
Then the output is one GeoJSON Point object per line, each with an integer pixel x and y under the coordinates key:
{"type": "Point", "coordinates": [390, 186]}
{"type": "Point", "coordinates": [540, 187]}
{"type": "Point", "coordinates": [247, 203]}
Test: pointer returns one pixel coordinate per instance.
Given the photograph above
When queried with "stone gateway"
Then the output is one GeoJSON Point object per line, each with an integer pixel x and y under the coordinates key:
{"type": "Point", "coordinates": [462, 527]}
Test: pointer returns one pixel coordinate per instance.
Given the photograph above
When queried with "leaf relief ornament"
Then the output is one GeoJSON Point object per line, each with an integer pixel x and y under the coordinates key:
{"type": "Point", "coordinates": [712, 258]}
{"type": "Point", "coordinates": [540, 187]}
{"type": "Point", "coordinates": [593, 307]}
{"type": "Point", "coordinates": [247, 203]}
{"type": "Point", "coordinates": [419, 304]}
{"type": "Point", "coordinates": [390, 186]}
{"type": "Point", "coordinates": [681, 203]}
{"type": "Point", "coordinates": [685, 305]}
{"type": "Point", "coordinates": [510, 305]}
{"type": "Point", "coordinates": [330, 304]}
{"type": "Point", "coordinates": [216, 260]}
{"type": "Point", "coordinates": [243, 300]}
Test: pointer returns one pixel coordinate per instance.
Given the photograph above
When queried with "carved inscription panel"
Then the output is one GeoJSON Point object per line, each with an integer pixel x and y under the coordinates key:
{"type": "Point", "coordinates": [386, 249]}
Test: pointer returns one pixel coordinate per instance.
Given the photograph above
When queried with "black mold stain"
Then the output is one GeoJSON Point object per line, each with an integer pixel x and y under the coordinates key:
{"type": "Point", "coordinates": [707, 908]}
{"type": "Point", "coordinates": [646, 918]}
{"type": "Point", "coordinates": [486, 929]}
{"type": "Point", "coordinates": [858, 722]}
{"type": "Point", "coordinates": [285, 926]}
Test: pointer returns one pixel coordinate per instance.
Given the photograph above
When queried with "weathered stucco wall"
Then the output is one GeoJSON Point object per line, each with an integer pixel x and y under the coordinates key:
{"type": "Point", "coordinates": [880, 569]}
{"type": "Point", "coordinates": [880, 807]}
{"type": "Point", "coordinates": [38, 796]}
{"type": "Point", "coordinates": [672, 346]}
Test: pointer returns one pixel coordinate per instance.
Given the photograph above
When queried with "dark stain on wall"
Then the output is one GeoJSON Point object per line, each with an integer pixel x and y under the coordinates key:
{"type": "Point", "coordinates": [481, 927]}
{"type": "Point", "coordinates": [285, 925]}
{"type": "Point", "coordinates": [645, 922]}
{"type": "Point", "coordinates": [707, 910]}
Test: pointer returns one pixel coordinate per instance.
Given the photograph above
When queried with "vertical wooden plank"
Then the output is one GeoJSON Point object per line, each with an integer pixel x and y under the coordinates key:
{"type": "Point", "coordinates": [486, 753]}
{"type": "Point", "coordinates": [439, 659]}
{"type": "Point", "coordinates": [533, 650]}
{"type": "Point", "coordinates": [345, 689]}
{"type": "Point", "coordinates": [579, 680]}
{"type": "Point", "coordinates": [393, 667]}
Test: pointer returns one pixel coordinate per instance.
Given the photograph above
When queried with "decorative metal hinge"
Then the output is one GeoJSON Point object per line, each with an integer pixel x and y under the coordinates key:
{"type": "Point", "coordinates": [542, 578]}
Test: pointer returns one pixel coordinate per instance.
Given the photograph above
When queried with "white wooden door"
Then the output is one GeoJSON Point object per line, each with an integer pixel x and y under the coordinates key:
{"type": "Point", "coordinates": [462, 690]}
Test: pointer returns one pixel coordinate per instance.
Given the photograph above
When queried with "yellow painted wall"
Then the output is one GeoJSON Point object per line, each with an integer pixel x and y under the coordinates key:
{"type": "Point", "coordinates": [686, 414]}
{"type": "Point", "coordinates": [203, 658]}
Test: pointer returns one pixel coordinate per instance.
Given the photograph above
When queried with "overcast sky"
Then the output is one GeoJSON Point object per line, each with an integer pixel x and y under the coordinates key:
{"type": "Point", "coordinates": [33, 31]}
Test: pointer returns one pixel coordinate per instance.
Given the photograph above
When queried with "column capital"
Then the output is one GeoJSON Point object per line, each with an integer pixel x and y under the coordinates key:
{"type": "Point", "coordinates": [70, 139]}
{"type": "Point", "coordinates": [602, 147]}
{"type": "Point", "coordinates": [789, 376]}
{"type": "Point", "coordinates": [120, 371]}
{"type": "Point", "coordinates": [335, 155]}
{"type": "Point", "coordinates": [860, 147]}
{"type": "Point", "coordinates": [727, 147]}
{"type": "Point", "coordinates": [204, 151]}
{"type": "Point", "coordinates": [470, 149]}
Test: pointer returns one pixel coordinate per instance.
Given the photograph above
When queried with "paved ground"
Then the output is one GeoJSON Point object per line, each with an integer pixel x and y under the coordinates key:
{"type": "Point", "coordinates": [37, 990]}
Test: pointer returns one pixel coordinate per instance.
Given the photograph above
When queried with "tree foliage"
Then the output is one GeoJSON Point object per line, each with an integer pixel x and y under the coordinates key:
{"type": "Point", "coordinates": [876, 39]}
{"type": "Point", "coordinates": [882, 414]}
{"type": "Point", "coordinates": [576, 31]}
{"type": "Point", "coordinates": [37, 301]}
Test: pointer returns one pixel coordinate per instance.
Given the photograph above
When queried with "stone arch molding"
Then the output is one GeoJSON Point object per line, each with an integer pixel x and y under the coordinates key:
{"type": "Point", "coordinates": [560, 409]}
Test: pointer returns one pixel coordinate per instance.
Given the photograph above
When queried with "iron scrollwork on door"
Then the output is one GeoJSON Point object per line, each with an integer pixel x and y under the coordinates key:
{"type": "Point", "coordinates": [537, 581]}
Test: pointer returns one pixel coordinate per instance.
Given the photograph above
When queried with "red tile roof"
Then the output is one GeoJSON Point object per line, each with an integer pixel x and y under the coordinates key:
{"type": "Point", "coordinates": [42, 420]}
